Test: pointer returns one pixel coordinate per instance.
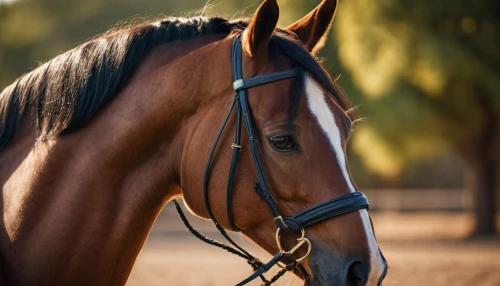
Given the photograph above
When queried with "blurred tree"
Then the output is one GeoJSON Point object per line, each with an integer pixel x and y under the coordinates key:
{"type": "Point", "coordinates": [431, 73]}
{"type": "Point", "coordinates": [32, 30]}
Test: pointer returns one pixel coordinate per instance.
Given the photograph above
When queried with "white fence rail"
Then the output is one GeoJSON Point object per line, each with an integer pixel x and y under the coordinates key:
{"type": "Point", "coordinates": [420, 199]}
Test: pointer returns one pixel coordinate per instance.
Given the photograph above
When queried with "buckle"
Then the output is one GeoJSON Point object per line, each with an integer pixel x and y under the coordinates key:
{"type": "Point", "coordinates": [280, 220]}
{"type": "Point", "coordinates": [236, 146]}
{"type": "Point", "coordinates": [301, 241]}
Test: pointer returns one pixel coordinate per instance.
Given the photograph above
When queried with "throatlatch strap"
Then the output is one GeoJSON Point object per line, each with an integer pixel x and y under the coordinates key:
{"type": "Point", "coordinates": [206, 184]}
{"type": "Point", "coordinates": [232, 169]}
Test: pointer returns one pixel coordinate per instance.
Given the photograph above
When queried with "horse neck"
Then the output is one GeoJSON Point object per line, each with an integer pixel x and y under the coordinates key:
{"type": "Point", "coordinates": [102, 186]}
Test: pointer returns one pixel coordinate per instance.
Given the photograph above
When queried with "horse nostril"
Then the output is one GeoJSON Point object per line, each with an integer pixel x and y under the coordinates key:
{"type": "Point", "coordinates": [357, 274]}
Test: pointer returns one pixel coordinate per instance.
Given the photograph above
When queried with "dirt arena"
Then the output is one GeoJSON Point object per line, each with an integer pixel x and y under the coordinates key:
{"type": "Point", "coordinates": [422, 249]}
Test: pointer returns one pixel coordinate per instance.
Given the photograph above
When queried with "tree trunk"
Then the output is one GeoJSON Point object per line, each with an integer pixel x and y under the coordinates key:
{"type": "Point", "coordinates": [484, 190]}
{"type": "Point", "coordinates": [487, 149]}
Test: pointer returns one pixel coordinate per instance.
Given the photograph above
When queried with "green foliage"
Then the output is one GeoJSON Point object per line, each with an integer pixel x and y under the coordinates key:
{"type": "Point", "coordinates": [430, 72]}
{"type": "Point", "coordinates": [32, 31]}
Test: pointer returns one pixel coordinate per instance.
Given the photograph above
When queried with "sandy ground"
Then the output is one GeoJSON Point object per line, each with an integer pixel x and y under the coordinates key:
{"type": "Point", "coordinates": [422, 249]}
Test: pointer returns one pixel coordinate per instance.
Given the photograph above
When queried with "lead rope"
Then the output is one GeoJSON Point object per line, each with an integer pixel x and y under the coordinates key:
{"type": "Point", "coordinates": [203, 238]}
{"type": "Point", "coordinates": [256, 264]}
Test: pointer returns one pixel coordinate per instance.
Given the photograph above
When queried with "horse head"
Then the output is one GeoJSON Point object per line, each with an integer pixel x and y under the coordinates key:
{"type": "Point", "coordinates": [301, 126]}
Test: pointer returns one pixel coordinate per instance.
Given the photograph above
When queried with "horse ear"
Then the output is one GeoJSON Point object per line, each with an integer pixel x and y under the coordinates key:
{"type": "Point", "coordinates": [313, 28]}
{"type": "Point", "coordinates": [261, 28]}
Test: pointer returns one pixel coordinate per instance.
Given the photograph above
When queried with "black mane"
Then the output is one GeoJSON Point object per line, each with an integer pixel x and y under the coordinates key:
{"type": "Point", "coordinates": [67, 91]}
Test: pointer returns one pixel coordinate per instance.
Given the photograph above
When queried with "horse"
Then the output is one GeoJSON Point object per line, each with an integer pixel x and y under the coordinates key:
{"type": "Point", "coordinates": [96, 141]}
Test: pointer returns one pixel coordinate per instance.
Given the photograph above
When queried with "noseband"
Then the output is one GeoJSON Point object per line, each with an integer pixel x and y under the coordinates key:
{"type": "Point", "coordinates": [297, 223]}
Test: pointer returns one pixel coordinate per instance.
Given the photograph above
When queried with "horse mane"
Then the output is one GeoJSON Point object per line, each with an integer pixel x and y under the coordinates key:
{"type": "Point", "coordinates": [66, 92]}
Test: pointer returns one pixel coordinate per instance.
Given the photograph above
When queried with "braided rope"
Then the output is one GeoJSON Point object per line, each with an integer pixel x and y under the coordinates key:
{"type": "Point", "coordinates": [204, 238]}
{"type": "Point", "coordinates": [275, 278]}
{"type": "Point", "coordinates": [254, 263]}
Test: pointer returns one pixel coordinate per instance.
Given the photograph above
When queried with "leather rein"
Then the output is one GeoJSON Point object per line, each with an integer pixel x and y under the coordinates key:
{"type": "Point", "coordinates": [297, 223]}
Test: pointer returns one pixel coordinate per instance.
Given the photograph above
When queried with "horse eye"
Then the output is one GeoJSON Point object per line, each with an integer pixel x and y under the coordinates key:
{"type": "Point", "coordinates": [283, 143]}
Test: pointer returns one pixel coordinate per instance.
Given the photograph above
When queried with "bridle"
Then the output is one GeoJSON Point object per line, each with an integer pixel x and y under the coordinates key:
{"type": "Point", "coordinates": [297, 223]}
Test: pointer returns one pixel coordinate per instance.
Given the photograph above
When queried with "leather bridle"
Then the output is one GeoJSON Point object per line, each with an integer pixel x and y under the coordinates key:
{"type": "Point", "coordinates": [297, 223]}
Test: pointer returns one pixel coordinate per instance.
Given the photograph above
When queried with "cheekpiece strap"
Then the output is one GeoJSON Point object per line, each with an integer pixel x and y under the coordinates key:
{"type": "Point", "coordinates": [240, 86]}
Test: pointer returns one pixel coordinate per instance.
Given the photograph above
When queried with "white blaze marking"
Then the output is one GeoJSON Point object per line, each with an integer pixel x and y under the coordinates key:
{"type": "Point", "coordinates": [320, 110]}
{"type": "Point", "coordinates": [326, 120]}
{"type": "Point", "coordinates": [376, 266]}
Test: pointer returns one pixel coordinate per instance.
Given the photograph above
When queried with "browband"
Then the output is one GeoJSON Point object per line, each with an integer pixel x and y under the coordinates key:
{"type": "Point", "coordinates": [241, 84]}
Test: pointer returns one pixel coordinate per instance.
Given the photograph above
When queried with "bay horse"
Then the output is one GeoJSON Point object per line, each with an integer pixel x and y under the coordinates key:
{"type": "Point", "coordinates": [96, 141]}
